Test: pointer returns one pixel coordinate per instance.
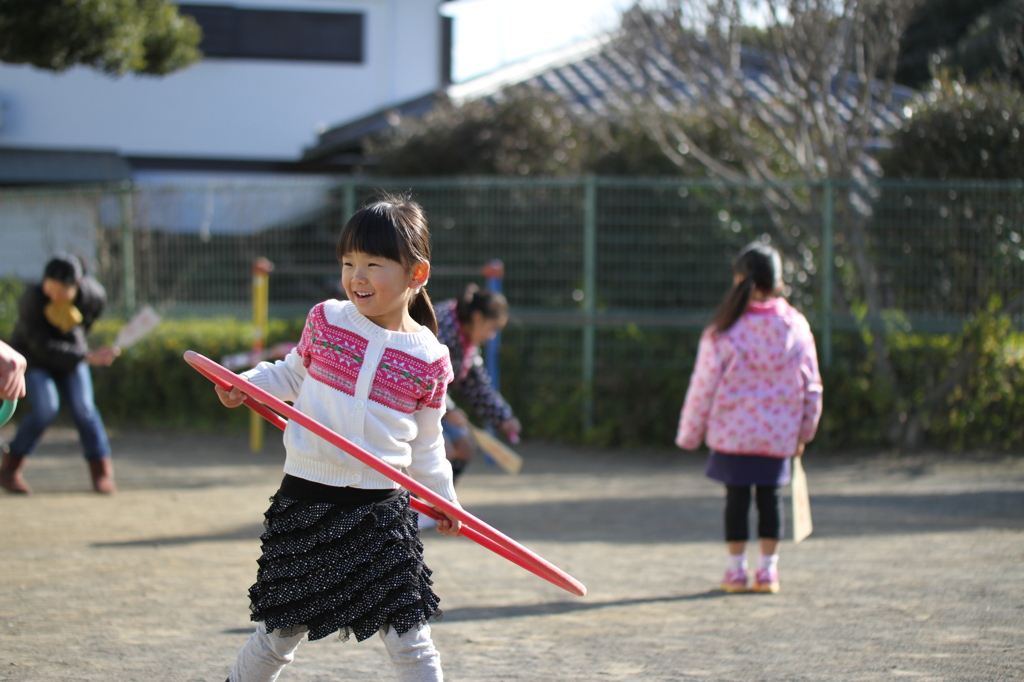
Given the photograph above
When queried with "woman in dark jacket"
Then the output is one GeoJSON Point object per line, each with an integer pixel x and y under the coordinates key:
{"type": "Point", "coordinates": [54, 318]}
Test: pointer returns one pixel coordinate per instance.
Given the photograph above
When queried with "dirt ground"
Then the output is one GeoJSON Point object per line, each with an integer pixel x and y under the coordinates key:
{"type": "Point", "coordinates": [915, 570]}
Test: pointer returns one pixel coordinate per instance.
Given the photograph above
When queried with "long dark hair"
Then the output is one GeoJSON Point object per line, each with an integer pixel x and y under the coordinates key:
{"type": "Point", "coordinates": [760, 266]}
{"type": "Point", "coordinates": [393, 227]}
{"type": "Point", "coordinates": [491, 304]}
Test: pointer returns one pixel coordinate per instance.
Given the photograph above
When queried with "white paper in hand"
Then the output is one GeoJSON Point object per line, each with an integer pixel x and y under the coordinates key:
{"type": "Point", "coordinates": [142, 323]}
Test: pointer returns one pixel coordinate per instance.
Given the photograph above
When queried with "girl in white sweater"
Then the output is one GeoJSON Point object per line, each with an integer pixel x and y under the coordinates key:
{"type": "Point", "coordinates": [341, 552]}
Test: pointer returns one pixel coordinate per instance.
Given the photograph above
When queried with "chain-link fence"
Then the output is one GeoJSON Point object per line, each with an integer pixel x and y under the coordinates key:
{"type": "Point", "coordinates": [593, 266]}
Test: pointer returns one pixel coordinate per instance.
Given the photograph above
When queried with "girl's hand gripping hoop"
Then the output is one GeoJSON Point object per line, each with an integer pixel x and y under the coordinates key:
{"type": "Point", "coordinates": [7, 411]}
{"type": "Point", "coordinates": [473, 528]}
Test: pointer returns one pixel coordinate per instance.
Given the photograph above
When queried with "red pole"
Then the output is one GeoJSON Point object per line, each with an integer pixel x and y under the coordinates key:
{"type": "Point", "coordinates": [479, 531]}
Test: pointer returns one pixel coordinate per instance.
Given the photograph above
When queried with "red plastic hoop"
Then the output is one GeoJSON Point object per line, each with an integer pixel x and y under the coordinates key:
{"type": "Point", "coordinates": [473, 528]}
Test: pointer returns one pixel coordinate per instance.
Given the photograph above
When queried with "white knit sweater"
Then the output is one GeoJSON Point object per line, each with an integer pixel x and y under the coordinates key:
{"type": "Point", "coordinates": [382, 390]}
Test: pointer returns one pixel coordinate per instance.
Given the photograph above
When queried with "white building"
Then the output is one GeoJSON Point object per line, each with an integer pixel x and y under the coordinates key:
{"type": "Point", "coordinates": [277, 73]}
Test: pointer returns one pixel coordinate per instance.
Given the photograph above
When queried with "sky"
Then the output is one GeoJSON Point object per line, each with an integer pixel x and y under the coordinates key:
{"type": "Point", "coordinates": [491, 33]}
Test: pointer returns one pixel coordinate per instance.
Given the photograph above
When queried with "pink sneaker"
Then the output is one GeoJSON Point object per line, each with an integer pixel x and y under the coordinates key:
{"type": "Point", "coordinates": [766, 580]}
{"type": "Point", "coordinates": [735, 580]}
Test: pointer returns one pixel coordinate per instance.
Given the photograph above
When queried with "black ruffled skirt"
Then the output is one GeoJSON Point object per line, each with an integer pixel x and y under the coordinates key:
{"type": "Point", "coordinates": [341, 560]}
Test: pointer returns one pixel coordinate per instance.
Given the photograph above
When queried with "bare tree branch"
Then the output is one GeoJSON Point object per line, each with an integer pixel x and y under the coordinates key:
{"type": "Point", "coordinates": [805, 97]}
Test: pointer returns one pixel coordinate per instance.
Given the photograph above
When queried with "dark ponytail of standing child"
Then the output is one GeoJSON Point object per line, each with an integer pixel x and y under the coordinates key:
{"type": "Point", "coordinates": [757, 267]}
{"type": "Point", "coordinates": [393, 227]}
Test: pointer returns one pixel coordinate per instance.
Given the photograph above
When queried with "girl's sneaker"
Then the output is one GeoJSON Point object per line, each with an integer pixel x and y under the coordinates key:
{"type": "Point", "coordinates": [766, 580]}
{"type": "Point", "coordinates": [735, 580]}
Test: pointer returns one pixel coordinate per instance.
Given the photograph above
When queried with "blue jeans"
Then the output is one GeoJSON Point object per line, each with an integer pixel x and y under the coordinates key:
{"type": "Point", "coordinates": [452, 432]}
{"type": "Point", "coordinates": [44, 389]}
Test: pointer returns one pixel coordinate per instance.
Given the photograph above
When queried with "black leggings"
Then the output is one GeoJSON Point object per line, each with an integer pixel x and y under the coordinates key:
{"type": "Point", "coordinates": [737, 508]}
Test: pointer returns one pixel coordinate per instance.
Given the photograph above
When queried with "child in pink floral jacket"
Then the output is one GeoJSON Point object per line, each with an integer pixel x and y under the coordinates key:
{"type": "Point", "coordinates": [755, 399]}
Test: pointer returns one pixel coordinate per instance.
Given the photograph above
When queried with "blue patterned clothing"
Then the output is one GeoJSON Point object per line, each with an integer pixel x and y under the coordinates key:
{"type": "Point", "coordinates": [471, 377]}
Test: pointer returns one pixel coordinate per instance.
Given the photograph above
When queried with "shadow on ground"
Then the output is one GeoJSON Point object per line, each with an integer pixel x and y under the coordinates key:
{"type": "Point", "coordinates": [248, 533]}
{"type": "Point", "coordinates": [667, 519]}
{"type": "Point", "coordinates": [470, 613]}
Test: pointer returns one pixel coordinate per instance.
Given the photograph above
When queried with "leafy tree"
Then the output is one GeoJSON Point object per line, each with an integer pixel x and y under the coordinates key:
{"type": "Point", "coordinates": [522, 131]}
{"type": "Point", "coordinates": [968, 236]}
{"type": "Point", "coordinates": [518, 132]}
{"type": "Point", "coordinates": [621, 147]}
{"type": "Point", "coordinates": [113, 36]}
{"type": "Point", "coordinates": [973, 237]}
{"type": "Point", "coordinates": [978, 37]}
{"type": "Point", "coordinates": [961, 131]}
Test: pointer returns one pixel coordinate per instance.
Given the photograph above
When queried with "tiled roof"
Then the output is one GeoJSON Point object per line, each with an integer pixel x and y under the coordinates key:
{"type": "Point", "coordinates": [597, 83]}
{"type": "Point", "coordinates": [595, 78]}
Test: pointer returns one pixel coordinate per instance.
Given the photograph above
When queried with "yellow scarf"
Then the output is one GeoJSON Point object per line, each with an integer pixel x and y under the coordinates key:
{"type": "Point", "coordinates": [64, 316]}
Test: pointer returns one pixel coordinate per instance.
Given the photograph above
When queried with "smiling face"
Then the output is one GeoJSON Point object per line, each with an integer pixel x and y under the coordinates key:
{"type": "Point", "coordinates": [381, 289]}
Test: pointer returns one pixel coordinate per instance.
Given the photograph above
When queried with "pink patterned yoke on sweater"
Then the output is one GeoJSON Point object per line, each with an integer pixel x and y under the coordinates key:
{"type": "Point", "coordinates": [755, 389]}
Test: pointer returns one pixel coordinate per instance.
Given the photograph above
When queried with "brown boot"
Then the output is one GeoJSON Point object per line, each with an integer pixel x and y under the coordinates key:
{"type": "Point", "coordinates": [102, 471]}
{"type": "Point", "coordinates": [10, 473]}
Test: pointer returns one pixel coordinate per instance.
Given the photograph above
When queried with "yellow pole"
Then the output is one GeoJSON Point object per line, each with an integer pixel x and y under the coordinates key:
{"type": "Point", "coordinates": [261, 268]}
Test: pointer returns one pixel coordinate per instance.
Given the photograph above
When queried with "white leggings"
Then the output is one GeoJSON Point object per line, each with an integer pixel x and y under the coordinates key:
{"type": "Point", "coordinates": [265, 655]}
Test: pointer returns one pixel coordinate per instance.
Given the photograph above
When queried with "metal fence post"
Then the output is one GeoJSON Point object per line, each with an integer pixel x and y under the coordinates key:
{"type": "Point", "coordinates": [827, 265]}
{"type": "Point", "coordinates": [261, 269]}
{"type": "Point", "coordinates": [494, 271]}
{"type": "Point", "coordinates": [127, 250]}
{"type": "Point", "coordinates": [589, 296]}
{"type": "Point", "coordinates": [348, 197]}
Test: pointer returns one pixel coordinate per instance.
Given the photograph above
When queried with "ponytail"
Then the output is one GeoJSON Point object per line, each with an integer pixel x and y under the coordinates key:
{"type": "Point", "coordinates": [734, 305]}
{"type": "Point", "coordinates": [421, 310]}
{"type": "Point", "coordinates": [492, 305]}
{"type": "Point", "coordinates": [759, 266]}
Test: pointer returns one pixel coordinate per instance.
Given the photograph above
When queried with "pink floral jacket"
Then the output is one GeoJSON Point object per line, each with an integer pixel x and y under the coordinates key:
{"type": "Point", "coordinates": [755, 389]}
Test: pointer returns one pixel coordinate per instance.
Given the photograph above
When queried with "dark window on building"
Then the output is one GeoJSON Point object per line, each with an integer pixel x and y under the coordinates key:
{"type": "Point", "coordinates": [447, 24]}
{"type": "Point", "coordinates": [276, 34]}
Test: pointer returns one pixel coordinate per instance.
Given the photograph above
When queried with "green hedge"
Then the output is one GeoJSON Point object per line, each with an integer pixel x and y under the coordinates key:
{"type": "Point", "coordinates": [640, 382]}
{"type": "Point", "coordinates": [11, 289]}
{"type": "Point", "coordinates": [982, 412]}
{"type": "Point", "coordinates": [642, 376]}
{"type": "Point", "coordinates": [986, 410]}
{"type": "Point", "coordinates": [640, 379]}
{"type": "Point", "coordinates": [151, 385]}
